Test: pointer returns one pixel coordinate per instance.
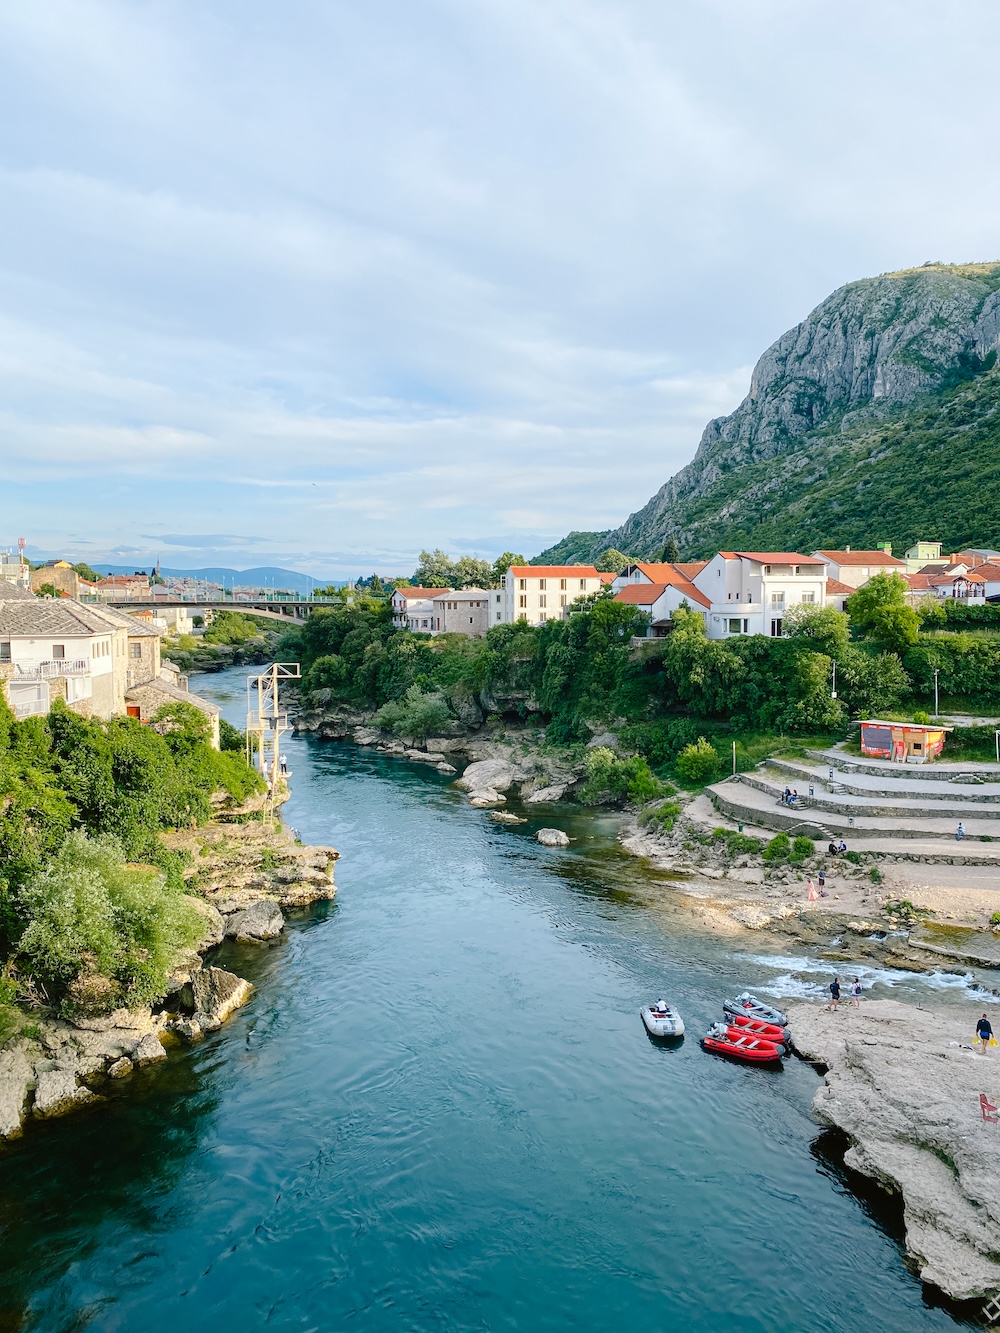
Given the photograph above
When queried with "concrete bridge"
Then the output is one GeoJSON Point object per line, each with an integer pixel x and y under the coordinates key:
{"type": "Point", "coordinates": [266, 607]}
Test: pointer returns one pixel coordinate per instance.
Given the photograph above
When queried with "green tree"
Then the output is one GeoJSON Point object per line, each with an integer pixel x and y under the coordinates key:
{"type": "Point", "coordinates": [85, 572]}
{"type": "Point", "coordinates": [473, 573]}
{"type": "Point", "coordinates": [823, 628]}
{"type": "Point", "coordinates": [417, 715]}
{"type": "Point", "coordinates": [670, 552]}
{"type": "Point", "coordinates": [612, 561]}
{"type": "Point", "coordinates": [879, 610]}
{"type": "Point", "coordinates": [502, 563]}
{"type": "Point", "coordinates": [47, 590]}
{"type": "Point", "coordinates": [435, 570]}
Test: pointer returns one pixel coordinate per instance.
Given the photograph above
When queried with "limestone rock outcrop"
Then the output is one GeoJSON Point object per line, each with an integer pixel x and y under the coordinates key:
{"type": "Point", "coordinates": [217, 993]}
{"type": "Point", "coordinates": [258, 921]}
{"type": "Point", "coordinates": [904, 1084]}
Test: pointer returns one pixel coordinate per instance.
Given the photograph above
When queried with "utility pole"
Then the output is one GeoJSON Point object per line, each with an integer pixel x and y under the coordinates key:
{"type": "Point", "coordinates": [833, 692]}
{"type": "Point", "coordinates": [937, 710]}
{"type": "Point", "coordinates": [267, 721]}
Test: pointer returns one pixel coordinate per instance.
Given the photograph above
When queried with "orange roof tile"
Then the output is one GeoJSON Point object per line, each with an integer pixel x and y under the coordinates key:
{"type": "Point", "coordinates": [554, 572]}
{"type": "Point", "coordinates": [862, 558]}
{"type": "Point", "coordinates": [419, 594]}
{"type": "Point", "coordinates": [779, 557]}
{"type": "Point", "coordinates": [690, 568]}
{"type": "Point", "coordinates": [641, 594]}
{"type": "Point", "coordinates": [834, 588]}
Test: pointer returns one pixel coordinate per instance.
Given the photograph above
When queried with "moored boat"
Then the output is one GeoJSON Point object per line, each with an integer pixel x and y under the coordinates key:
{"type": "Point", "coordinates": [769, 1031]}
{"type": "Point", "coordinates": [748, 1005]}
{"type": "Point", "coordinates": [662, 1020]}
{"type": "Point", "coordinates": [739, 1034]}
{"type": "Point", "coordinates": [754, 1050]}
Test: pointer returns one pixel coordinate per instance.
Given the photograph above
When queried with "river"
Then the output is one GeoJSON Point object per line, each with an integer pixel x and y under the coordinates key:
{"type": "Point", "coordinates": [441, 1112]}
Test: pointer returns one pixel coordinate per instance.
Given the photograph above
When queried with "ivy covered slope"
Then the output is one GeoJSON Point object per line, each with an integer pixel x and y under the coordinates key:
{"type": "Point", "coordinates": [876, 419]}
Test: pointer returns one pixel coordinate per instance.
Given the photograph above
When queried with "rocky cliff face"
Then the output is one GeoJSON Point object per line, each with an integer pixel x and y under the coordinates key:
{"type": "Point", "coordinates": [872, 346]}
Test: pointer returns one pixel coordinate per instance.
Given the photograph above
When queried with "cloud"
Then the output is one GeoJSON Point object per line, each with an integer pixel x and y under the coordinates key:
{"type": "Point", "coordinates": [375, 277]}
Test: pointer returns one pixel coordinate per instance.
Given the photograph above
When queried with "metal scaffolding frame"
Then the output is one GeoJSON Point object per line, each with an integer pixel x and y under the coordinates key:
{"type": "Point", "coordinates": [267, 721]}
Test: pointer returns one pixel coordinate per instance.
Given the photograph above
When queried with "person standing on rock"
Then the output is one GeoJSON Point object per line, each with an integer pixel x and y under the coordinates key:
{"type": "Point", "coordinates": [856, 993]}
{"type": "Point", "coordinates": [960, 831]}
{"type": "Point", "coordinates": [984, 1031]}
{"type": "Point", "coordinates": [834, 994]}
{"type": "Point", "coordinates": [283, 763]}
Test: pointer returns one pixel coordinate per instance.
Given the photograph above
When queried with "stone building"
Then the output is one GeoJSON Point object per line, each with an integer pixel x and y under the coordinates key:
{"type": "Point", "coordinates": [462, 611]}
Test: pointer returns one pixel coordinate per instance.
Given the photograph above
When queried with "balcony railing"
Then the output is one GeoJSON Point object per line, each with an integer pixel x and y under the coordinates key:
{"type": "Point", "coordinates": [47, 670]}
{"type": "Point", "coordinates": [35, 708]}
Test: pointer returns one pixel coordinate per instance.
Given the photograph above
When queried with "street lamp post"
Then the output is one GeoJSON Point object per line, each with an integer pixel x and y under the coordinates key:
{"type": "Point", "coordinates": [833, 692]}
{"type": "Point", "coordinates": [937, 710]}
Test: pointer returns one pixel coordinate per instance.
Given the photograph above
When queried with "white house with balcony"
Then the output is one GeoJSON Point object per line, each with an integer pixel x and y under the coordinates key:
{"type": "Point", "coordinates": [750, 592]}
{"type": "Point", "coordinates": [56, 648]}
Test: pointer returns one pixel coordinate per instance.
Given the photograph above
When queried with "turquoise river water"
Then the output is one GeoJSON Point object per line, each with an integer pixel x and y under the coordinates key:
{"type": "Point", "coordinates": [441, 1111]}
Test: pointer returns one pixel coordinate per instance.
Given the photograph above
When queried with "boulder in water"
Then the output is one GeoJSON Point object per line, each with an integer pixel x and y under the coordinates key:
{"type": "Point", "coordinates": [552, 837]}
{"type": "Point", "coordinates": [216, 994]}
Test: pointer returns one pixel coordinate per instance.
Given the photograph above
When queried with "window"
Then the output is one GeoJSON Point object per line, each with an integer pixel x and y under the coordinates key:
{"type": "Point", "coordinates": [562, 600]}
{"type": "Point", "coordinates": [542, 618]}
{"type": "Point", "coordinates": [777, 599]}
{"type": "Point", "coordinates": [809, 597]}
{"type": "Point", "coordinates": [542, 584]}
{"type": "Point", "coordinates": [583, 585]}
{"type": "Point", "coordinates": [58, 652]}
{"type": "Point", "coordinates": [776, 629]}
{"type": "Point", "coordinates": [522, 585]}
{"type": "Point", "coordinates": [562, 585]}
{"type": "Point", "coordinates": [735, 626]}
{"type": "Point", "coordinates": [135, 650]}
{"type": "Point", "coordinates": [4, 652]}
{"type": "Point", "coordinates": [522, 601]}
{"type": "Point", "coordinates": [542, 600]}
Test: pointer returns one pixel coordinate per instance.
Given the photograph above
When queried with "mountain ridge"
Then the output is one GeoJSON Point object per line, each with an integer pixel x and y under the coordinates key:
{"type": "Point", "coordinates": [872, 386]}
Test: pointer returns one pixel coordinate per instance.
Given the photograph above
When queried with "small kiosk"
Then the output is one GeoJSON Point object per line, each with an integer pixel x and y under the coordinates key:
{"type": "Point", "coordinates": [902, 742]}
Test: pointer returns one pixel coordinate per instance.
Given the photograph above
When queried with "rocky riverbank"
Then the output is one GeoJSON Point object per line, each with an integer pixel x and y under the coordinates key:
{"type": "Point", "coordinates": [243, 877]}
{"type": "Point", "coordinates": [903, 1084]}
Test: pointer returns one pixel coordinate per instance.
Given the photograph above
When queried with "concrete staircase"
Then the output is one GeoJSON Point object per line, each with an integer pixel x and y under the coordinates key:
{"type": "Point", "coordinates": [874, 805]}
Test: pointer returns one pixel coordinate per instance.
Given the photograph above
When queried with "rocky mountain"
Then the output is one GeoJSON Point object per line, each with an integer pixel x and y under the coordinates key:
{"type": "Point", "coordinates": [877, 418]}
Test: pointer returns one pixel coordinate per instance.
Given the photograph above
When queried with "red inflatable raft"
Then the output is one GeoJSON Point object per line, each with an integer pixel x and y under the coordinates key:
{"type": "Point", "coordinates": [769, 1031]}
{"type": "Point", "coordinates": [744, 1046]}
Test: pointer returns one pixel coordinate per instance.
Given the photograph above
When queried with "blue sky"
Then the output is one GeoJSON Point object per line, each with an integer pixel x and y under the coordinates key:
{"type": "Point", "coordinates": [318, 284]}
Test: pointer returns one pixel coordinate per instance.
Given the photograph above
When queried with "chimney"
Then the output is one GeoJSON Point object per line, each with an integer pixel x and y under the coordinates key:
{"type": "Point", "coordinates": [887, 547]}
{"type": "Point", "coordinates": [846, 549]}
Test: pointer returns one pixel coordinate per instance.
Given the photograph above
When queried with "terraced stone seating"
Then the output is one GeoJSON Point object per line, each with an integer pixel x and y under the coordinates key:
{"type": "Point", "coordinates": [890, 807]}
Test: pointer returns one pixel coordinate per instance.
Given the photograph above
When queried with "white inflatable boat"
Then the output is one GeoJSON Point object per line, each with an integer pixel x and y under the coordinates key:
{"type": "Point", "coordinates": [662, 1020]}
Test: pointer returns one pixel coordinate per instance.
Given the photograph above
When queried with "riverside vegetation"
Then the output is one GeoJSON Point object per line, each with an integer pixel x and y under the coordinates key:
{"type": "Point", "coordinates": [672, 707]}
{"type": "Point", "coordinates": [93, 908]}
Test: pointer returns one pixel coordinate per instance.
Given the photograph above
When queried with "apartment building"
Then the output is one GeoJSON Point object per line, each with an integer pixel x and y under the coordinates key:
{"type": "Point", "coordinates": [537, 593]}
{"type": "Point", "coordinates": [856, 567]}
{"type": "Point", "coordinates": [412, 608]}
{"type": "Point", "coordinates": [751, 591]}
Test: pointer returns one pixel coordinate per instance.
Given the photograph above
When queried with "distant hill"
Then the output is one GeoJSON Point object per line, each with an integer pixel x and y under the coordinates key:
{"type": "Point", "coordinates": [875, 419]}
{"type": "Point", "coordinates": [269, 575]}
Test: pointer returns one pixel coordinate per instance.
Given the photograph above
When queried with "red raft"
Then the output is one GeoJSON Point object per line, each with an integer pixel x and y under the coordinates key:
{"type": "Point", "coordinates": [723, 1040]}
{"type": "Point", "coordinates": [768, 1031]}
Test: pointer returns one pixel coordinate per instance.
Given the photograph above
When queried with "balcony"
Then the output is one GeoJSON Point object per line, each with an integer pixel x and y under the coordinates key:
{"type": "Point", "coordinates": [47, 670]}
{"type": "Point", "coordinates": [34, 708]}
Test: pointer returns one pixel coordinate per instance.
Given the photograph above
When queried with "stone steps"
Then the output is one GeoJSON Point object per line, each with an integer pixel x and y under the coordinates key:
{"type": "Point", "coordinates": [937, 771]}
{"type": "Point", "coordinates": [869, 786]}
{"type": "Point", "coordinates": [747, 804]}
{"type": "Point", "coordinates": [847, 804]}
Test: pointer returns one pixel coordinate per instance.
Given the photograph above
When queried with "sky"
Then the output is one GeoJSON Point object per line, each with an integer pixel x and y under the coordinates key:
{"type": "Point", "coordinates": [319, 284]}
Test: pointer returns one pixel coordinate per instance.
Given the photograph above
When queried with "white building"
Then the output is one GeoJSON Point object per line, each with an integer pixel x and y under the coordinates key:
{"type": "Point", "coordinates": [855, 568]}
{"type": "Point", "coordinates": [537, 593]}
{"type": "Point", "coordinates": [750, 591]}
{"type": "Point", "coordinates": [661, 600]}
{"type": "Point", "coordinates": [413, 608]}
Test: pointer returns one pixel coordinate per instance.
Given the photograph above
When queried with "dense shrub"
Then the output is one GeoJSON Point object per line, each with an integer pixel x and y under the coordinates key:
{"type": "Point", "coordinates": [417, 715]}
{"type": "Point", "coordinates": [802, 848]}
{"type": "Point", "coordinates": [91, 918]}
{"type": "Point", "coordinates": [611, 780]}
{"type": "Point", "coordinates": [662, 816]}
{"type": "Point", "coordinates": [779, 848]}
{"type": "Point", "coordinates": [699, 762]}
